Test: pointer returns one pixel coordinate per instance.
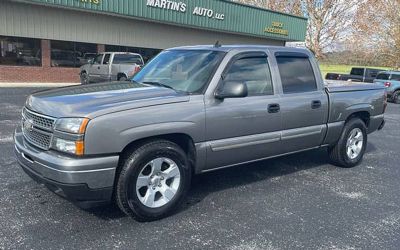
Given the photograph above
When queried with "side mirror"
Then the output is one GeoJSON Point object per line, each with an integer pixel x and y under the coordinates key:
{"type": "Point", "coordinates": [231, 89]}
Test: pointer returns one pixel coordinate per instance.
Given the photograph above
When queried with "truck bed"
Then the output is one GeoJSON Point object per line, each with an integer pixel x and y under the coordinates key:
{"type": "Point", "coordinates": [346, 86]}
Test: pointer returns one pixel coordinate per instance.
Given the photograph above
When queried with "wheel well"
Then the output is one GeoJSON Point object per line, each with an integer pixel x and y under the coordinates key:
{"type": "Point", "coordinates": [182, 140]}
{"type": "Point", "coordinates": [119, 75]}
{"type": "Point", "coordinates": [363, 115]}
{"type": "Point", "coordinates": [83, 71]}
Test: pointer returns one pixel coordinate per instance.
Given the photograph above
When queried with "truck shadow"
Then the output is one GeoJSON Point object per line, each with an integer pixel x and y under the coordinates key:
{"type": "Point", "coordinates": [207, 183]}
{"type": "Point", "coordinates": [215, 181]}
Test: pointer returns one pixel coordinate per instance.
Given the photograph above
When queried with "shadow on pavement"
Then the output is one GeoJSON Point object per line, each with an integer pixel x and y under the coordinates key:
{"type": "Point", "coordinates": [207, 183]}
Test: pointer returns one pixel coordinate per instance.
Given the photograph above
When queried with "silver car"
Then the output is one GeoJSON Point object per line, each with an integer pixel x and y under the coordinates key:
{"type": "Point", "coordinates": [111, 66]}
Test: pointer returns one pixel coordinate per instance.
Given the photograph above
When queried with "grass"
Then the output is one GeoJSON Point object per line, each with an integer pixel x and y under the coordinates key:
{"type": "Point", "coordinates": [340, 68]}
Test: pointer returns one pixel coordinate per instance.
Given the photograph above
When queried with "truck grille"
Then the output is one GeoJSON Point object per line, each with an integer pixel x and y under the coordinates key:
{"type": "Point", "coordinates": [37, 129]}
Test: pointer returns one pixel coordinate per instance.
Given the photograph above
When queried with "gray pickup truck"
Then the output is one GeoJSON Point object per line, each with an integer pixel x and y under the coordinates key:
{"type": "Point", "coordinates": [110, 66]}
{"type": "Point", "coordinates": [190, 110]}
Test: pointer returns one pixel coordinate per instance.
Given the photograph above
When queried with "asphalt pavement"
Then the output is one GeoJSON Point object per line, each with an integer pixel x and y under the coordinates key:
{"type": "Point", "coordinates": [293, 202]}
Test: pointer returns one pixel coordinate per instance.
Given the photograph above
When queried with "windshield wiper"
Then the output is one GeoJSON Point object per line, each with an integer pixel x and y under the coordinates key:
{"type": "Point", "coordinates": [159, 84]}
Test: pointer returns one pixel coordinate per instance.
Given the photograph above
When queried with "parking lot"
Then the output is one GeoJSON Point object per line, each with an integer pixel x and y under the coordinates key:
{"type": "Point", "coordinates": [297, 201]}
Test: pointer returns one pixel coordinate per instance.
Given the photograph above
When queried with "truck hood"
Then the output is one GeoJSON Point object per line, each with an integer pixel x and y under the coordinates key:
{"type": "Point", "coordinates": [99, 99]}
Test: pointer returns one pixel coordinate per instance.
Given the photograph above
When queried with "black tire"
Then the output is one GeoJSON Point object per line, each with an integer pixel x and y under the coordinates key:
{"type": "Point", "coordinates": [133, 164]}
{"type": "Point", "coordinates": [84, 78]}
{"type": "Point", "coordinates": [337, 152]}
{"type": "Point", "coordinates": [396, 97]}
{"type": "Point", "coordinates": [122, 78]}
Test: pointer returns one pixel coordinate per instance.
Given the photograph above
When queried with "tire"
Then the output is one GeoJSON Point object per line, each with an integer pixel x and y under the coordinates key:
{"type": "Point", "coordinates": [123, 78]}
{"type": "Point", "coordinates": [84, 78]}
{"type": "Point", "coordinates": [396, 97]}
{"type": "Point", "coordinates": [340, 154]}
{"type": "Point", "coordinates": [152, 201]}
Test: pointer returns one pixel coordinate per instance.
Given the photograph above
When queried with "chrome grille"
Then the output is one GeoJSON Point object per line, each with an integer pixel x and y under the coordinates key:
{"type": "Point", "coordinates": [38, 120]}
{"type": "Point", "coordinates": [38, 138]}
{"type": "Point", "coordinates": [37, 129]}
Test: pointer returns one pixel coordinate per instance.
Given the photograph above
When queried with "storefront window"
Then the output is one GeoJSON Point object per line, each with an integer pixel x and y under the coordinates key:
{"type": "Point", "coordinates": [71, 54]}
{"type": "Point", "coordinates": [18, 51]}
{"type": "Point", "coordinates": [146, 53]}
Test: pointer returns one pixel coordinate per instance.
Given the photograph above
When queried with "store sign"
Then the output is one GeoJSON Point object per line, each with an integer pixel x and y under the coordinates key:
{"type": "Point", "coordinates": [182, 7]}
{"type": "Point", "coordinates": [90, 1]}
{"type": "Point", "coordinates": [277, 28]}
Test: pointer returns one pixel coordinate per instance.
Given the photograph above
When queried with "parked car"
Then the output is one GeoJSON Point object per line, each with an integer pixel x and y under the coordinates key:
{"type": "Point", "coordinates": [391, 80]}
{"type": "Point", "coordinates": [356, 75]}
{"type": "Point", "coordinates": [111, 66]}
{"type": "Point", "coordinates": [188, 111]}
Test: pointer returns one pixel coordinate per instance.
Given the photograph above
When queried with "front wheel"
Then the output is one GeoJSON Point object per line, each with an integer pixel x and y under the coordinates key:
{"type": "Point", "coordinates": [84, 78]}
{"type": "Point", "coordinates": [350, 148]}
{"type": "Point", "coordinates": [153, 180]}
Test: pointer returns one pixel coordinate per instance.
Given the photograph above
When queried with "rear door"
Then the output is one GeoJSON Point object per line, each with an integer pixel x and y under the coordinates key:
{"type": "Point", "coordinates": [304, 103]}
{"type": "Point", "coordinates": [244, 129]}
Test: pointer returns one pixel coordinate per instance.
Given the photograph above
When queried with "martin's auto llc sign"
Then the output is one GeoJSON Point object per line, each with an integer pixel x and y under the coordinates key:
{"type": "Point", "coordinates": [182, 7]}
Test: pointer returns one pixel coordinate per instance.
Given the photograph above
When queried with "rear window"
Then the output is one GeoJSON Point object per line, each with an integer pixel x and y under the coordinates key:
{"type": "Point", "coordinates": [383, 76]}
{"type": "Point", "coordinates": [395, 77]}
{"type": "Point", "coordinates": [127, 59]}
{"type": "Point", "coordinates": [297, 74]}
{"type": "Point", "coordinates": [357, 71]}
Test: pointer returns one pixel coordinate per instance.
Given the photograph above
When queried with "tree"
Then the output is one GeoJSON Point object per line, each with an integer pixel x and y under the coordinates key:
{"type": "Point", "coordinates": [377, 30]}
{"type": "Point", "coordinates": [329, 21]}
{"type": "Point", "coordinates": [292, 7]}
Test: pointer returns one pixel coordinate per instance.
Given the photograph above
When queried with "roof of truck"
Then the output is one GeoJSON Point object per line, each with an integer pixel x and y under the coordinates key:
{"type": "Point", "coordinates": [227, 48]}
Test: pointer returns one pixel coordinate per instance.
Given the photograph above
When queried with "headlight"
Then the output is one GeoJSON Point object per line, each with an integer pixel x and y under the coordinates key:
{"type": "Point", "coordinates": [67, 146]}
{"type": "Point", "coordinates": [72, 125]}
{"type": "Point", "coordinates": [72, 142]}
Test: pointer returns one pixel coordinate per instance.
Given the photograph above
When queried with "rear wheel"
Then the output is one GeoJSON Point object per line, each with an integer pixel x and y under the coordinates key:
{"type": "Point", "coordinates": [396, 97]}
{"type": "Point", "coordinates": [350, 148]}
{"type": "Point", "coordinates": [122, 78]}
{"type": "Point", "coordinates": [153, 181]}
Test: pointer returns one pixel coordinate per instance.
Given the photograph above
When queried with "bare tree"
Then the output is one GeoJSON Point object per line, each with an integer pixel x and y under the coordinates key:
{"type": "Point", "coordinates": [377, 30]}
{"type": "Point", "coordinates": [292, 7]}
{"type": "Point", "coordinates": [329, 21]}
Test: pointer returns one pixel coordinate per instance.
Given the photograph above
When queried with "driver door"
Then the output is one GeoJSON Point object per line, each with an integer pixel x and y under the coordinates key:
{"type": "Point", "coordinates": [95, 68]}
{"type": "Point", "coordinates": [244, 129]}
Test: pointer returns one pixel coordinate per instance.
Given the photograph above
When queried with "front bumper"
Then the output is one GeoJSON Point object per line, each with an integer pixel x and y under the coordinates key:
{"type": "Point", "coordinates": [85, 181]}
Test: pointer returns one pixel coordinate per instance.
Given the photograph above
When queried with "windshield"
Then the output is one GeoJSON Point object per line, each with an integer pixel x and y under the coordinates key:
{"type": "Point", "coordinates": [182, 70]}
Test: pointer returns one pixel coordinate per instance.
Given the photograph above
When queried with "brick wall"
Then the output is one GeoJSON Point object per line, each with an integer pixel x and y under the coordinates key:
{"type": "Point", "coordinates": [45, 73]}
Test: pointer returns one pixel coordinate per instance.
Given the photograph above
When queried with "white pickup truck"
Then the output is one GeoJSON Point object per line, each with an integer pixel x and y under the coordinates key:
{"type": "Point", "coordinates": [111, 66]}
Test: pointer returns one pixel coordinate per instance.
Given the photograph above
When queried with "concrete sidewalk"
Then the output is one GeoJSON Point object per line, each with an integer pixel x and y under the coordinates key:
{"type": "Point", "coordinates": [35, 84]}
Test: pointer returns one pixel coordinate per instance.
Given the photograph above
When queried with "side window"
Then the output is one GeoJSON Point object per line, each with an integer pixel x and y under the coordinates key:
{"type": "Point", "coordinates": [383, 76]}
{"type": "Point", "coordinates": [255, 72]}
{"type": "Point", "coordinates": [297, 74]}
{"type": "Point", "coordinates": [372, 72]}
{"type": "Point", "coordinates": [106, 59]}
{"type": "Point", "coordinates": [395, 77]}
{"type": "Point", "coordinates": [97, 59]}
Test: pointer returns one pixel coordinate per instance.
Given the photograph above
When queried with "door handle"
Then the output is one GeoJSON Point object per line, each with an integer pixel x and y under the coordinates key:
{"type": "Point", "coordinates": [315, 104]}
{"type": "Point", "coordinates": [98, 67]}
{"type": "Point", "coordinates": [273, 108]}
